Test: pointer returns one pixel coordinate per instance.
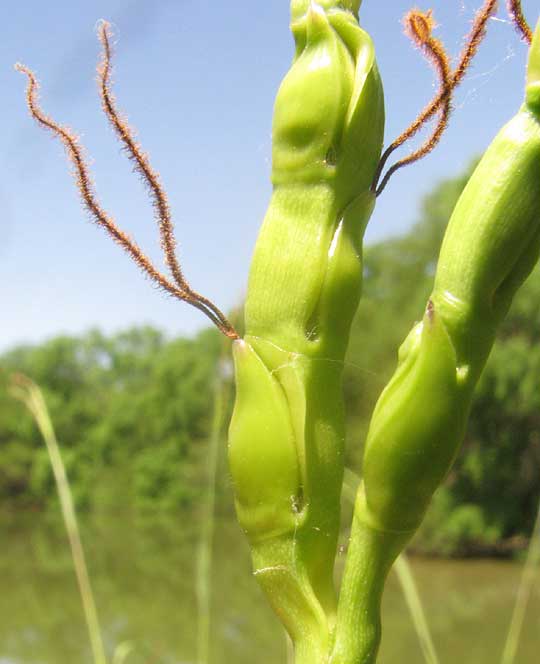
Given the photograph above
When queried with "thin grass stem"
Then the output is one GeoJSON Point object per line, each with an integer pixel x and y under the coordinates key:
{"type": "Point", "coordinates": [31, 396]}
{"type": "Point", "coordinates": [530, 569]}
{"type": "Point", "coordinates": [205, 546]}
{"type": "Point", "coordinates": [410, 591]}
{"type": "Point", "coordinates": [289, 649]}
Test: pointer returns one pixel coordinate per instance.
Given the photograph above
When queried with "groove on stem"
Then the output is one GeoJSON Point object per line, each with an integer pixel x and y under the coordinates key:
{"type": "Point", "coordinates": [419, 26]}
{"type": "Point", "coordinates": [179, 287]}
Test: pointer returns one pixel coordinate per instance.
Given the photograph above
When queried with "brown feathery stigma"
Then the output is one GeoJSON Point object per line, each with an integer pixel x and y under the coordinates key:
{"type": "Point", "coordinates": [135, 153]}
{"type": "Point", "coordinates": [419, 26]}
{"type": "Point", "coordinates": [516, 14]}
{"type": "Point", "coordinates": [83, 180]}
{"type": "Point", "coordinates": [474, 39]}
{"type": "Point", "coordinates": [149, 175]}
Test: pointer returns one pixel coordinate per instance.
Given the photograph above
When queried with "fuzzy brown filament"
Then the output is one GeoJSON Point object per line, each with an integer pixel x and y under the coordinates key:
{"type": "Point", "coordinates": [179, 287]}
{"type": "Point", "coordinates": [419, 26]}
{"type": "Point", "coordinates": [516, 14]}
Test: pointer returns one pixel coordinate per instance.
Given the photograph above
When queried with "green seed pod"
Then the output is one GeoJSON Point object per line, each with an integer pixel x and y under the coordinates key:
{"type": "Point", "coordinates": [491, 244]}
{"type": "Point", "coordinates": [262, 446]}
{"type": "Point", "coordinates": [493, 238]}
{"type": "Point", "coordinates": [415, 430]}
{"type": "Point", "coordinates": [288, 424]}
{"type": "Point", "coordinates": [266, 467]}
{"type": "Point", "coordinates": [329, 111]}
{"type": "Point", "coordinates": [308, 113]}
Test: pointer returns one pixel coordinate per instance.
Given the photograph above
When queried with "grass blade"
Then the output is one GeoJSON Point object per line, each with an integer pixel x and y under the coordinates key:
{"type": "Point", "coordinates": [31, 396]}
{"type": "Point", "coordinates": [416, 610]}
{"type": "Point", "coordinates": [528, 574]}
{"type": "Point", "coordinates": [205, 546]}
{"type": "Point", "coordinates": [289, 649]}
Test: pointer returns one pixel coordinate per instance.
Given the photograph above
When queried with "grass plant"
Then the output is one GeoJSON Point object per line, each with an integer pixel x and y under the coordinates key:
{"type": "Point", "coordinates": [27, 392]}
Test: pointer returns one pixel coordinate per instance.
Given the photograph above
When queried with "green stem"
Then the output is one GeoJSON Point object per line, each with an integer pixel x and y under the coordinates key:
{"type": "Point", "coordinates": [369, 559]}
{"type": "Point", "coordinates": [406, 579]}
{"type": "Point", "coordinates": [309, 651]}
{"type": "Point", "coordinates": [282, 574]}
{"type": "Point", "coordinates": [316, 256]}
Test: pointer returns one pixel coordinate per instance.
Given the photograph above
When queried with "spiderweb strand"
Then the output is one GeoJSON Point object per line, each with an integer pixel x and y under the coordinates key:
{"type": "Point", "coordinates": [516, 14]}
{"type": "Point", "coordinates": [444, 94]}
{"type": "Point", "coordinates": [83, 181]}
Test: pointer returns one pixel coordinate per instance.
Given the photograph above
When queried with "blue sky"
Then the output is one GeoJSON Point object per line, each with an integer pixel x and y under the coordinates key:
{"type": "Point", "coordinates": [197, 79]}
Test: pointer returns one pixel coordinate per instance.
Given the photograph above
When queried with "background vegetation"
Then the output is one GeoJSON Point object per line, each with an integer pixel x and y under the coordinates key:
{"type": "Point", "coordinates": [133, 411]}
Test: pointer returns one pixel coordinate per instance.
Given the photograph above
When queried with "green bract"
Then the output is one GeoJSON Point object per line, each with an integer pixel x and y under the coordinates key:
{"type": "Point", "coordinates": [403, 465]}
{"type": "Point", "coordinates": [491, 245]}
{"type": "Point", "coordinates": [266, 508]}
{"type": "Point", "coordinates": [287, 432]}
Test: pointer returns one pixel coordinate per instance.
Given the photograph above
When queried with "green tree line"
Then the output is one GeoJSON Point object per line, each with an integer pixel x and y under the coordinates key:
{"type": "Point", "coordinates": [133, 410]}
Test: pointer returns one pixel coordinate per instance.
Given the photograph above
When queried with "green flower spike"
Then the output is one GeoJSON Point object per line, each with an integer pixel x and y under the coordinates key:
{"type": "Point", "coordinates": [490, 247]}
{"type": "Point", "coordinates": [287, 432]}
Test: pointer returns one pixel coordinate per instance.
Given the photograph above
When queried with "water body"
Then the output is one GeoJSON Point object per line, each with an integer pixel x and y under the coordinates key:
{"type": "Point", "coordinates": [143, 574]}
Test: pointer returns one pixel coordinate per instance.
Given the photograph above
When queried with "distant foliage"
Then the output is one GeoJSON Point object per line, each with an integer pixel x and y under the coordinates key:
{"type": "Point", "coordinates": [131, 413]}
